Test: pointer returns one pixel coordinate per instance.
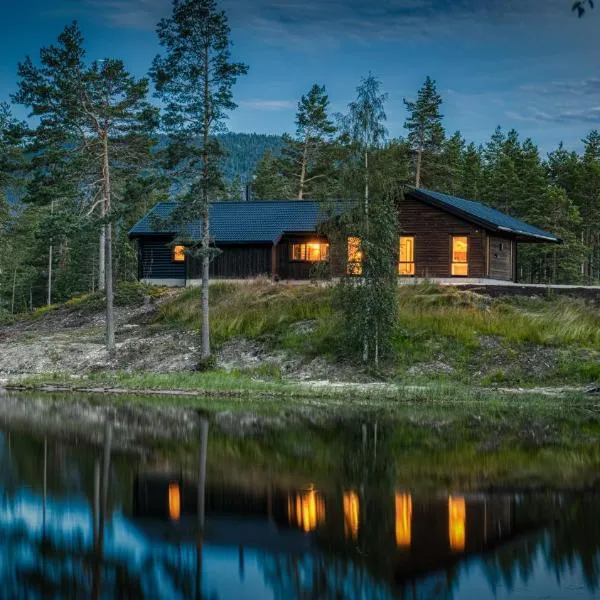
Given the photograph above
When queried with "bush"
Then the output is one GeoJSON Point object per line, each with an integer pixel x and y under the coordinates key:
{"type": "Point", "coordinates": [6, 318]}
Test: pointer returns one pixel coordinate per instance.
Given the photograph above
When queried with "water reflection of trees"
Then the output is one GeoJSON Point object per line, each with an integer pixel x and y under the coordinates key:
{"type": "Point", "coordinates": [366, 536]}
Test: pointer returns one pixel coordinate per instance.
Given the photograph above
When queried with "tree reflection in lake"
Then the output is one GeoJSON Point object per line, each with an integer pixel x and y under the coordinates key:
{"type": "Point", "coordinates": [358, 535]}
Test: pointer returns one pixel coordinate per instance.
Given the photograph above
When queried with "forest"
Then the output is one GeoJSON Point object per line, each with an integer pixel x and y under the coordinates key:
{"type": "Point", "coordinates": [79, 171]}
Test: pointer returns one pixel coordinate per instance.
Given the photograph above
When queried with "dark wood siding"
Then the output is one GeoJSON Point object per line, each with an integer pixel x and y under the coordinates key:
{"type": "Point", "coordinates": [501, 257]}
{"type": "Point", "coordinates": [289, 269]}
{"type": "Point", "coordinates": [155, 260]}
{"type": "Point", "coordinates": [236, 262]}
{"type": "Point", "coordinates": [433, 230]}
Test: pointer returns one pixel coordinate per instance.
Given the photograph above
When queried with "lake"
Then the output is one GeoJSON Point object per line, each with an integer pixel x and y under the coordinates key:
{"type": "Point", "coordinates": [258, 528]}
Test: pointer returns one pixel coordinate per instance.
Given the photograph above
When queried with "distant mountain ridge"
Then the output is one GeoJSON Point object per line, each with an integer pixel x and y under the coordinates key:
{"type": "Point", "coordinates": [244, 150]}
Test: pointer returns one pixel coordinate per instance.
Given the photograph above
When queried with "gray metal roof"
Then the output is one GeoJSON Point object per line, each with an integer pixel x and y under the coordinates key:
{"type": "Point", "coordinates": [483, 215]}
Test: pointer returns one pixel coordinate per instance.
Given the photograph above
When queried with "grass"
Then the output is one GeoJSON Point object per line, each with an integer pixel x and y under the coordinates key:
{"type": "Point", "coordinates": [249, 310]}
{"type": "Point", "coordinates": [442, 334]}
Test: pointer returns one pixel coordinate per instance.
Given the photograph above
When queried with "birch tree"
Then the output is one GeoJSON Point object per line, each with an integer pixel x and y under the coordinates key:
{"type": "Point", "coordinates": [94, 120]}
{"type": "Point", "coordinates": [370, 301]}
{"type": "Point", "coordinates": [194, 78]}
{"type": "Point", "coordinates": [365, 126]}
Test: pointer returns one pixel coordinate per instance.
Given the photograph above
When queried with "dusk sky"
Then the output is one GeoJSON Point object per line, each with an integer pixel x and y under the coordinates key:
{"type": "Point", "coordinates": [528, 64]}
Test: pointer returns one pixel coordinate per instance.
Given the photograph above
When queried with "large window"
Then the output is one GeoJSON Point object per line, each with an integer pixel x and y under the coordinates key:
{"type": "Point", "coordinates": [407, 256]}
{"type": "Point", "coordinates": [178, 254]}
{"type": "Point", "coordinates": [460, 256]}
{"type": "Point", "coordinates": [355, 256]}
{"type": "Point", "coordinates": [311, 252]}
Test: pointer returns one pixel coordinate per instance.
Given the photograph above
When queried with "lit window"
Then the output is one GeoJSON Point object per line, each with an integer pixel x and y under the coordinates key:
{"type": "Point", "coordinates": [403, 520]}
{"type": "Point", "coordinates": [351, 514]}
{"type": "Point", "coordinates": [457, 516]}
{"type": "Point", "coordinates": [174, 501]}
{"type": "Point", "coordinates": [460, 255]}
{"type": "Point", "coordinates": [407, 256]}
{"type": "Point", "coordinates": [355, 256]}
{"type": "Point", "coordinates": [306, 510]}
{"type": "Point", "coordinates": [178, 254]}
{"type": "Point", "coordinates": [312, 252]}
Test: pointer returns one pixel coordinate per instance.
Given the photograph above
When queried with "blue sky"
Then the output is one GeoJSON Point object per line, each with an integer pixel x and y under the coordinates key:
{"type": "Point", "coordinates": [528, 64]}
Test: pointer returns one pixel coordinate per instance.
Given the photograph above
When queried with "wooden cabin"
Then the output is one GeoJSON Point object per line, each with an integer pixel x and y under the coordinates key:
{"type": "Point", "coordinates": [440, 237]}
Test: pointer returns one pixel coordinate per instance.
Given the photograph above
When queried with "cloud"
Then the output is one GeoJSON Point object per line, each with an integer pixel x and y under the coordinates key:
{"type": "Point", "coordinates": [298, 21]}
{"type": "Point", "coordinates": [584, 87]}
{"type": "Point", "coordinates": [267, 105]}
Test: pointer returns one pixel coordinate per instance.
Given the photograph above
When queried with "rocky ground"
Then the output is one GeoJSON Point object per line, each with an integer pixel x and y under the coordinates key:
{"type": "Point", "coordinates": [70, 341]}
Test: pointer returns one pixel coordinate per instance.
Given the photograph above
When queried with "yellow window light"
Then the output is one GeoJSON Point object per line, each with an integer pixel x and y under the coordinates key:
{"type": "Point", "coordinates": [174, 501]}
{"type": "Point", "coordinates": [403, 520]}
{"type": "Point", "coordinates": [351, 514]}
{"type": "Point", "coordinates": [178, 254]}
{"type": "Point", "coordinates": [457, 516]}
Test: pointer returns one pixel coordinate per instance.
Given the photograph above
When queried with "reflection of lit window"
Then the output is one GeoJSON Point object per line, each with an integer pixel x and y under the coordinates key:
{"type": "Point", "coordinates": [351, 514]}
{"type": "Point", "coordinates": [457, 515]}
{"type": "Point", "coordinates": [460, 255]}
{"type": "Point", "coordinates": [355, 256]}
{"type": "Point", "coordinates": [403, 520]}
{"type": "Point", "coordinates": [178, 254]}
{"type": "Point", "coordinates": [174, 501]}
{"type": "Point", "coordinates": [306, 510]}
{"type": "Point", "coordinates": [313, 252]}
{"type": "Point", "coordinates": [407, 255]}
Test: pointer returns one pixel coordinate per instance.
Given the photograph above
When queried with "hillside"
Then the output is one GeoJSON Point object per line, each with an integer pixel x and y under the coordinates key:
{"type": "Point", "coordinates": [284, 333]}
{"type": "Point", "coordinates": [244, 150]}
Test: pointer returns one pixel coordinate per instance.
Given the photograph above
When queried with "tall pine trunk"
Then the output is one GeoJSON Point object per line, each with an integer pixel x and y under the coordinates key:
{"type": "Point", "coordinates": [205, 352]}
{"type": "Point", "coordinates": [50, 261]}
{"type": "Point", "coordinates": [419, 167]}
{"type": "Point", "coordinates": [303, 171]}
{"type": "Point", "coordinates": [101, 252]}
{"type": "Point", "coordinates": [108, 266]}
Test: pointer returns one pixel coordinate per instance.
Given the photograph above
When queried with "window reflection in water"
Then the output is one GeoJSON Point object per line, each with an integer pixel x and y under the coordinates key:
{"type": "Point", "coordinates": [351, 514]}
{"type": "Point", "coordinates": [457, 515]}
{"type": "Point", "coordinates": [306, 510]}
{"type": "Point", "coordinates": [174, 501]}
{"type": "Point", "coordinates": [403, 520]}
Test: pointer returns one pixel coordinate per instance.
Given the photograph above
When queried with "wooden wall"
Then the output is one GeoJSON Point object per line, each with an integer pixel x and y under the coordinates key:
{"type": "Point", "coordinates": [235, 262]}
{"type": "Point", "coordinates": [290, 269]}
{"type": "Point", "coordinates": [155, 260]}
{"type": "Point", "coordinates": [501, 258]}
{"type": "Point", "coordinates": [433, 230]}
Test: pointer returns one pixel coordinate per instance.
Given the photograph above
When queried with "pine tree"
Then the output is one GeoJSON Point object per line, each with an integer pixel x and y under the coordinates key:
{"type": "Point", "coordinates": [553, 263]}
{"type": "Point", "coordinates": [269, 183]}
{"type": "Point", "coordinates": [587, 199]}
{"type": "Point", "coordinates": [302, 156]}
{"type": "Point", "coordinates": [500, 183]}
{"type": "Point", "coordinates": [425, 131]}
{"type": "Point", "coordinates": [194, 79]}
{"type": "Point", "coordinates": [449, 177]}
{"type": "Point", "coordinates": [471, 173]}
{"type": "Point", "coordinates": [93, 123]}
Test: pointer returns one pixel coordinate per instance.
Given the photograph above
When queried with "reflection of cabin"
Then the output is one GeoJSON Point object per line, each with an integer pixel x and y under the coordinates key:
{"type": "Point", "coordinates": [402, 536]}
{"type": "Point", "coordinates": [439, 236]}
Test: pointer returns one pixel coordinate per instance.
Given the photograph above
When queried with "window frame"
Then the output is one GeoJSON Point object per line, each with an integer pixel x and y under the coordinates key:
{"type": "Point", "coordinates": [401, 262]}
{"type": "Point", "coordinates": [174, 253]}
{"type": "Point", "coordinates": [305, 245]}
{"type": "Point", "coordinates": [452, 261]}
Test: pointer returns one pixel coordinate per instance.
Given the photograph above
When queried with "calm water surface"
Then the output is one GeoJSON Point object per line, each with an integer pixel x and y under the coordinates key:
{"type": "Point", "coordinates": [275, 536]}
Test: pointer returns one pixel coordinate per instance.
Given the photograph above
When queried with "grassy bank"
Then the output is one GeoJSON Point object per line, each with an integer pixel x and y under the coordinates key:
{"type": "Point", "coordinates": [441, 333]}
